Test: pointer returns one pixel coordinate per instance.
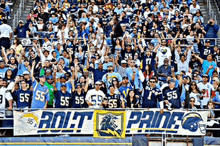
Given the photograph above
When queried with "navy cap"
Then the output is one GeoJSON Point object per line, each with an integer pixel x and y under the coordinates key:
{"type": "Point", "coordinates": [125, 77]}
{"type": "Point", "coordinates": [93, 57]}
{"type": "Point", "coordinates": [78, 85]}
{"type": "Point", "coordinates": [41, 76]}
{"type": "Point", "coordinates": [171, 81]}
{"type": "Point", "coordinates": [64, 77]}
{"type": "Point", "coordinates": [50, 77]}
{"type": "Point", "coordinates": [207, 41]}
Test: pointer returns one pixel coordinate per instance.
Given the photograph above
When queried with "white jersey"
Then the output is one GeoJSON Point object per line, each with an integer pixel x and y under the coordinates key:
{"type": "Point", "coordinates": [4, 94]}
{"type": "Point", "coordinates": [162, 53]}
{"type": "Point", "coordinates": [208, 88]}
{"type": "Point", "coordinates": [95, 97]}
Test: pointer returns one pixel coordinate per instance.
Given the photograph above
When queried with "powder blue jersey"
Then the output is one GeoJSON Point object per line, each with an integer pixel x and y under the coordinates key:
{"type": "Point", "coordinates": [40, 95]}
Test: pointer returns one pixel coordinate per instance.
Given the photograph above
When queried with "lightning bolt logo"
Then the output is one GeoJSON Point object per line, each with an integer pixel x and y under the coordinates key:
{"type": "Point", "coordinates": [109, 131]}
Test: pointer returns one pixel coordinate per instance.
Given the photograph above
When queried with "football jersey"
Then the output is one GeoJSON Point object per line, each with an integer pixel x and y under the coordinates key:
{"type": "Point", "coordinates": [162, 53]}
{"type": "Point", "coordinates": [40, 95]}
{"type": "Point", "coordinates": [23, 98]}
{"type": "Point", "coordinates": [206, 96]}
{"type": "Point", "coordinates": [4, 95]}
{"type": "Point", "coordinates": [151, 97]}
{"type": "Point", "coordinates": [114, 101]}
{"type": "Point", "coordinates": [95, 97]}
{"type": "Point", "coordinates": [62, 100]}
{"type": "Point", "coordinates": [173, 96]}
{"type": "Point", "coordinates": [79, 101]}
{"type": "Point", "coordinates": [148, 60]}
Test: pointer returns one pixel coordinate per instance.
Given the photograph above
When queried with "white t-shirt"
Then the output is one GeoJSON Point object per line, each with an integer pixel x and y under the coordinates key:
{"type": "Point", "coordinates": [95, 97]}
{"type": "Point", "coordinates": [162, 53]}
{"type": "Point", "coordinates": [4, 94]}
{"type": "Point", "coordinates": [208, 88]}
{"type": "Point", "coordinates": [197, 100]}
{"type": "Point", "coordinates": [5, 30]}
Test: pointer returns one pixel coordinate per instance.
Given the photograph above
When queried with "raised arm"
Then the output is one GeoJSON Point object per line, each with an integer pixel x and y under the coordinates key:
{"type": "Point", "coordinates": [32, 71]}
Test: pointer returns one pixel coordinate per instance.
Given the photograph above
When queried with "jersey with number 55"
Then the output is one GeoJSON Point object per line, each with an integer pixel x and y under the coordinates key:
{"type": "Point", "coordinates": [151, 97]}
{"type": "Point", "coordinates": [40, 95]}
{"type": "Point", "coordinates": [79, 101]}
{"type": "Point", "coordinates": [62, 100]}
{"type": "Point", "coordinates": [173, 96]}
{"type": "Point", "coordinates": [95, 97]}
{"type": "Point", "coordinates": [23, 98]}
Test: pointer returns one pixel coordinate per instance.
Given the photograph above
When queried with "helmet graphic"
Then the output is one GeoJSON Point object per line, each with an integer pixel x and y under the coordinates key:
{"type": "Point", "coordinates": [193, 121]}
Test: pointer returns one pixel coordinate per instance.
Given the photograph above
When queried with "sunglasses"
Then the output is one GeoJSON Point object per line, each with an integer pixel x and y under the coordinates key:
{"type": "Point", "coordinates": [193, 84]}
{"type": "Point", "coordinates": [98, 84]}
{"type": "Point", "coordinates": [192, 101]}
{"type": "Point", "coordinates": [152, 82]}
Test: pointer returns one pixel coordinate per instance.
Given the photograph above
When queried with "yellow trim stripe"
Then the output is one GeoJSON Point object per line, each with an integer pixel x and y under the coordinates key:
{"type": "Point", "coordinates": [37, 143]}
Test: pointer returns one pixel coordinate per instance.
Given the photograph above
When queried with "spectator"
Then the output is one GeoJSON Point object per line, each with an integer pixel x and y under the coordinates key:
{"type": "Point", "coordinates": [211, 30]}
{"type": "Point", "coordinates": [62, 98]}
{"type": "Point", "coordinates": [113, 100]}
{"type": "Point", "coordinates": [132, 100]}
{"type": "Point", "coordinates": [152, 95]}
{"type": "Point", "coordinates": [164, 70]}
{"type": "Point", "coordinates": [95, 97]}
{"type": "Point", "coordinates": [206, 89]}
{"type": "Point", "coordinates": [40, 92]}
{"type": "Point", "coordinates": [6, 34]}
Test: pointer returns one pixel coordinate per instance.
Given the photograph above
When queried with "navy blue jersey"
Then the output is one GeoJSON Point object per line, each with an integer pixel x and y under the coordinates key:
{"type": "Point", "coordinates": [151, 97]}
{"type": "Point", "coordinates": [62, 100]}
{"type": "Point", "coordinates": [23, 98]}
{"type": "Point", "coordinates": [173, 96]}
{"type": "Point", "coordinates": [148, 60]}
{"type": "Point", "coordinates": [78, 101]}
{"type": "Point", "coordinates": [114, 101]}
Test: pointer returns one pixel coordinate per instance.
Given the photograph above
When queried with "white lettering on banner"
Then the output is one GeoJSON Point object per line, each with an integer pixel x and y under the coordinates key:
{"type": "Point", "coordinates": [137, 122]}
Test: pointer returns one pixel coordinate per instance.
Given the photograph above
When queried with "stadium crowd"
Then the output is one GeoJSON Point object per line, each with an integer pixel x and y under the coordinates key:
{"type": "Point", "coordinates": [110, 54]}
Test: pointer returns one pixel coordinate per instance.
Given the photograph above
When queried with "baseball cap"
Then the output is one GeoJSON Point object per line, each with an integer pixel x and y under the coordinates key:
{"type": "Point", "coordinates": [125, 77]}
{"type": "Point", "coordinates": [177, 73]}
{"type": "Point", "coordinates": [41, 76]}
{"type": "Point", "coordinates": [171, 81]}
{"type": "Point", "coordinates": [26, 73]}
{"type": "Point", "coordinates": [64, 77]}
{"type": "Point", "coordinates": [207, 41]}
{"type": "Point", "coordinates": [48, 70]}
{"type": "Point", "coordinates": [20, 21]}
{"type": "Point", "coordinates": [63, 85]}
{"type": "Point", "coordinates": [205, 75]}
{"type": "Point", "coordinates": [50, 77]}
{"type": "Point", "coordinates": [78, 84]}
{"type": "Point", "coordinates": [123, 62]}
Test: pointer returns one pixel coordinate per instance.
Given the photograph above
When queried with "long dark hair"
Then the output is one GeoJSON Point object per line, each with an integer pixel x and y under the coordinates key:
{"type": "Point", "coordinates": [150, 69]}
{"type": "Point", "coordinates": [197, 88]}
{"type": "Point", "coordinates": [129, 100]}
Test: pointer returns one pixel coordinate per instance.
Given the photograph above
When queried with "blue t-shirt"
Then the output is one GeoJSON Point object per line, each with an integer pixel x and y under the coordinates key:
{"type": "Point", "coordinates": [206, 65]}
{"type": "Point", "coordinates": [40, 95]}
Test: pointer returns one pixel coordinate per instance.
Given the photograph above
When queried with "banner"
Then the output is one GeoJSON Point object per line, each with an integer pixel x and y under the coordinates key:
{"type": "Point", "coordinates": [53, 122]}
{"type": "Point", "coordinates": [110, 124]}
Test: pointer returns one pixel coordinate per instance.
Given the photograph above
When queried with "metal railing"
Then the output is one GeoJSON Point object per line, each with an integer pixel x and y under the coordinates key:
{"type": "Point", "coordinates": [18, 13]}
{"type": "Point", "coordinates": [211, 11]}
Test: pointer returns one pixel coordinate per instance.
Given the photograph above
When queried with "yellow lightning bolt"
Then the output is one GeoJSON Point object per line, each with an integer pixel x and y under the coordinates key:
{"type": "Point", "coordinates": [111, 132]}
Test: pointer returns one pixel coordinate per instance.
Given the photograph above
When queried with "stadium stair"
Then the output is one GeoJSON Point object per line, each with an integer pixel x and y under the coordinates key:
{"type": "Point", "coordinates": [28, 6]}
{"type": "Point", "coordinates": [205, 12]}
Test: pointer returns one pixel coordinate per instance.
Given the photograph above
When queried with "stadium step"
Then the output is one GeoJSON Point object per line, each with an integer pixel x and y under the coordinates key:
{"type": "Point", "coordinates": [27, 8]}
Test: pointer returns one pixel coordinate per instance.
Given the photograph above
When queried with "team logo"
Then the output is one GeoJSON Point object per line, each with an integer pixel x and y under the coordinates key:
{"type": "Point", "coordinates": [109, 124]}
{"type": "Point", "coordinates": [192, 122]}
{"type": "Point", "coordinates": [164, 51]}
{"type": "Point", "coordinates": [28, 122]}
